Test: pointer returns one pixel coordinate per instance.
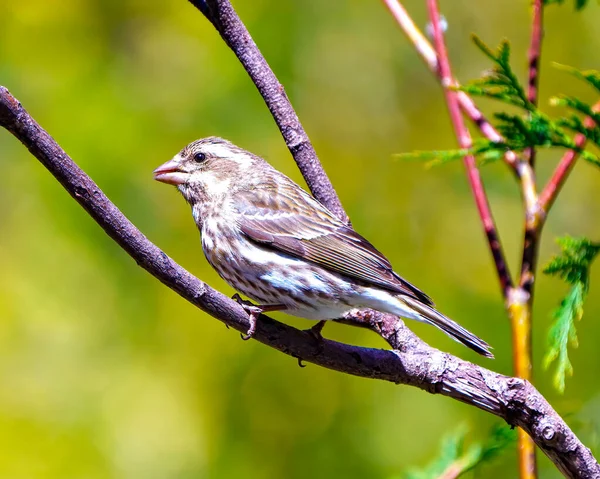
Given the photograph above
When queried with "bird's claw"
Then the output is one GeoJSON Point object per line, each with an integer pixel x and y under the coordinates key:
{"type": "Point", "coordinates": [241, 301]}
{"type": "Point", "coordinates": [253, 314]}
{"type": "Point", "coordinates": [254, 311]}
{"type": "Point", "coordinates": [252, 317]}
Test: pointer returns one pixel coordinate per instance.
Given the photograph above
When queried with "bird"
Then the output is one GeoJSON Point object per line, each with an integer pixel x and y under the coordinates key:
{"type": "Point", "coordinates": [272, 241]}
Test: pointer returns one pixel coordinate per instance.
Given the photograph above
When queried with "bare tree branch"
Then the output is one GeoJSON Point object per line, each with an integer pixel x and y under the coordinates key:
{"type": "Point", "coordinates": [534, 55]}
{"type": "Point", "coordinates": [413, 363]}
{"type": "Point", "coordinates": [224, 18]}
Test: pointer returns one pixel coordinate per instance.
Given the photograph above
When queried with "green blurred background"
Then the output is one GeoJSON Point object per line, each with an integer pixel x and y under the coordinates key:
{"type": "Point", "coordinates": [104, 372]}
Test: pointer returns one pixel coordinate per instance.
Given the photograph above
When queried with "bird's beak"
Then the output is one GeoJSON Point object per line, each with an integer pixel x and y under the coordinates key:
{"type": "Point", "coordinates": [171, 173]}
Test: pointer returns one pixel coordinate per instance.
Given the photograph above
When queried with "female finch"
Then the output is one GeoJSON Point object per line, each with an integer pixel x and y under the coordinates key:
{"type": "Point", "coordinates": [275, 243]}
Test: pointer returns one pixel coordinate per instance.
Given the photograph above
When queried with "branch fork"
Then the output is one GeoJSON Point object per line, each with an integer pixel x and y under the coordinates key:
{"type": "Point", "coordinates": [518, 299]}
{"type": "Point", "coordinates": [412, 362]}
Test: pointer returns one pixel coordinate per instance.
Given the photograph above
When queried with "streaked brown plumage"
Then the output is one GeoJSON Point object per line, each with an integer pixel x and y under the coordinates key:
{"type": "Point", "coordinates": [272, 241]}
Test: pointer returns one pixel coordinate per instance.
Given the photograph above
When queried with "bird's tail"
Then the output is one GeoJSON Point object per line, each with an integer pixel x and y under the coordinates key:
{"type": "Point", "coordinates": [451, 328]}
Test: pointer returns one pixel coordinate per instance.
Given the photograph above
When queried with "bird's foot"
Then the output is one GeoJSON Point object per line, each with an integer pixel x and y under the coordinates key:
{"type": "Point", "coordinates": [241, 301]}
{"type": "Point", "coordinates": [253, 314]}
{"type": "Point", "coordinates": [254, 311]}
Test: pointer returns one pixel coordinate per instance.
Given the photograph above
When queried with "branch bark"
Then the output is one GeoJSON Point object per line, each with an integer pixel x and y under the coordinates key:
{"type": "Point", "coordinates": [224, 18]}
{"type": "Point", "coordinates": [519, 299]}
{"type": "Point", "coordinates": [534, 56]}
{"type": "Point", "coordinates": [412, 363]}
{"type": "Point", "coordinates": [521, 314]}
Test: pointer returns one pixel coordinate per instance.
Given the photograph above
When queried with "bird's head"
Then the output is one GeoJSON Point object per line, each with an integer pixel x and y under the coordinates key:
{"type": "Point", "coordinates": [207, 169]}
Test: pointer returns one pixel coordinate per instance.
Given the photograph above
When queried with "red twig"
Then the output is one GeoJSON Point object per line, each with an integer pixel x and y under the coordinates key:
{"type": "Point", "coordinates": [558, 178]}
{"type": "Point", "coordinates": [534, 54]}
{"type": "Point", "coordinates": [413, 33]}
{"type": "Point", "coordinates": [464, 141]}
{"type": "Point", "coordinates": [412, 363]}
{"type": "Point", "coordinates": [564, 167]}
{"type": "Point", "coordinates": [518, 299]}
{"type": "Point", "coordinates": [430, 57]}
{"type": "Point", "coordinates": [535, 50]}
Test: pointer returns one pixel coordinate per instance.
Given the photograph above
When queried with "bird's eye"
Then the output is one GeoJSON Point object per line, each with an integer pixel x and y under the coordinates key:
{"type": "Point", "coordinates": [199, 157]}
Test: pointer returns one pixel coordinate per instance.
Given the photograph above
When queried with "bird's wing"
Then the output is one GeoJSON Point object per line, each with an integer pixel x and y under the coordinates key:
{"type": "Point", "coordinates": [291, 221]}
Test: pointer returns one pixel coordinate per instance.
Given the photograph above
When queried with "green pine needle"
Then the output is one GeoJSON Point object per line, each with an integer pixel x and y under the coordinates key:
{"type": "Point", "coordinates": [590, 76]}
{"type": "Point", "coordinates": [528, 129]}
{"type": "Point", "coordinates": [575, 260]}
{"type": "Point", "coordinates": [434, 157]}
{"type": "Point", "coordinates": [590, 158]}
{"type": "Point", "coordinates": [562, 333]}
{"type": "Point", "coordinates": [575, 123]}
{"type": "Point", "coordinates": [573, 266]}
{"type": "Point", "coordinates": [454, 457]}
{"type": "Point", "coordinates": [500, 82]}
{"type": "Point", "coordinates": [451, 450]}
{"type": "Point", "coordinates": [577, 105]}
{"type": "Point", "coordinates": [579, 4]}
{"type": "Point", "coordinates": [483, 150]}
{"type": "Point", "coordinates": [531, 129]}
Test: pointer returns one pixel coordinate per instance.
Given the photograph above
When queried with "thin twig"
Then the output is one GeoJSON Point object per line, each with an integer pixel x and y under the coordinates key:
{"type": "Point", "coordinates": [413, 363]}
{"type": "Point", "coordinates": [429, 55]}
{"type": "Point", "coordinates": [519, 307]}
{"type": "Point", "coordinates": [464, 141]}
{"type": "Point", "coordinates": [453, 471]}
{"type": "Point", "coordinates": [535, 50]}
{"type": "Point", "coordinates": [519, 300]}
{"type": "Point", "coordinates": [560, 175]}
{"type": "Point", "coordinates": [534, 55]}
{"type": "Point", "coordinates": [522, 169]}
{"type": "Point", "coordinates": [521, 312]}
{"type": "Point", "coordinates": [521, 328]}
{"type": "Point", "coordinates": [224, 18]}
{"type": "Point", "coordinates": [413, 33]}
{"type": "Point", "coordinates": [564, 167]}
{"type": "Point", "coordinates": [521, 304]}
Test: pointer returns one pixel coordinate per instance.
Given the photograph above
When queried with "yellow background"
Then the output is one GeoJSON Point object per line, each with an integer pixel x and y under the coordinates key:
{"type": "Point", "coordinates": [106, 373]}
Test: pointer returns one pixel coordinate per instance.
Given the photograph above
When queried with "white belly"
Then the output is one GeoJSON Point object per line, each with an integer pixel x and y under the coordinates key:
{"type": "Point", "coordinates": [269, 277]}
{"type": "Point", "coordinates": [306, 290]}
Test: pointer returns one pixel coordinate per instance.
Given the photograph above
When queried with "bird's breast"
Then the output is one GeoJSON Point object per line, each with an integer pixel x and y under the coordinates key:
{"type": "Point", "coordinates": [218, 237]}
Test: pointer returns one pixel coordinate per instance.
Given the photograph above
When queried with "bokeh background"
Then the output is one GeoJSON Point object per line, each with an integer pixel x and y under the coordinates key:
{"type": "Point", "coordinates": [105, 373]}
